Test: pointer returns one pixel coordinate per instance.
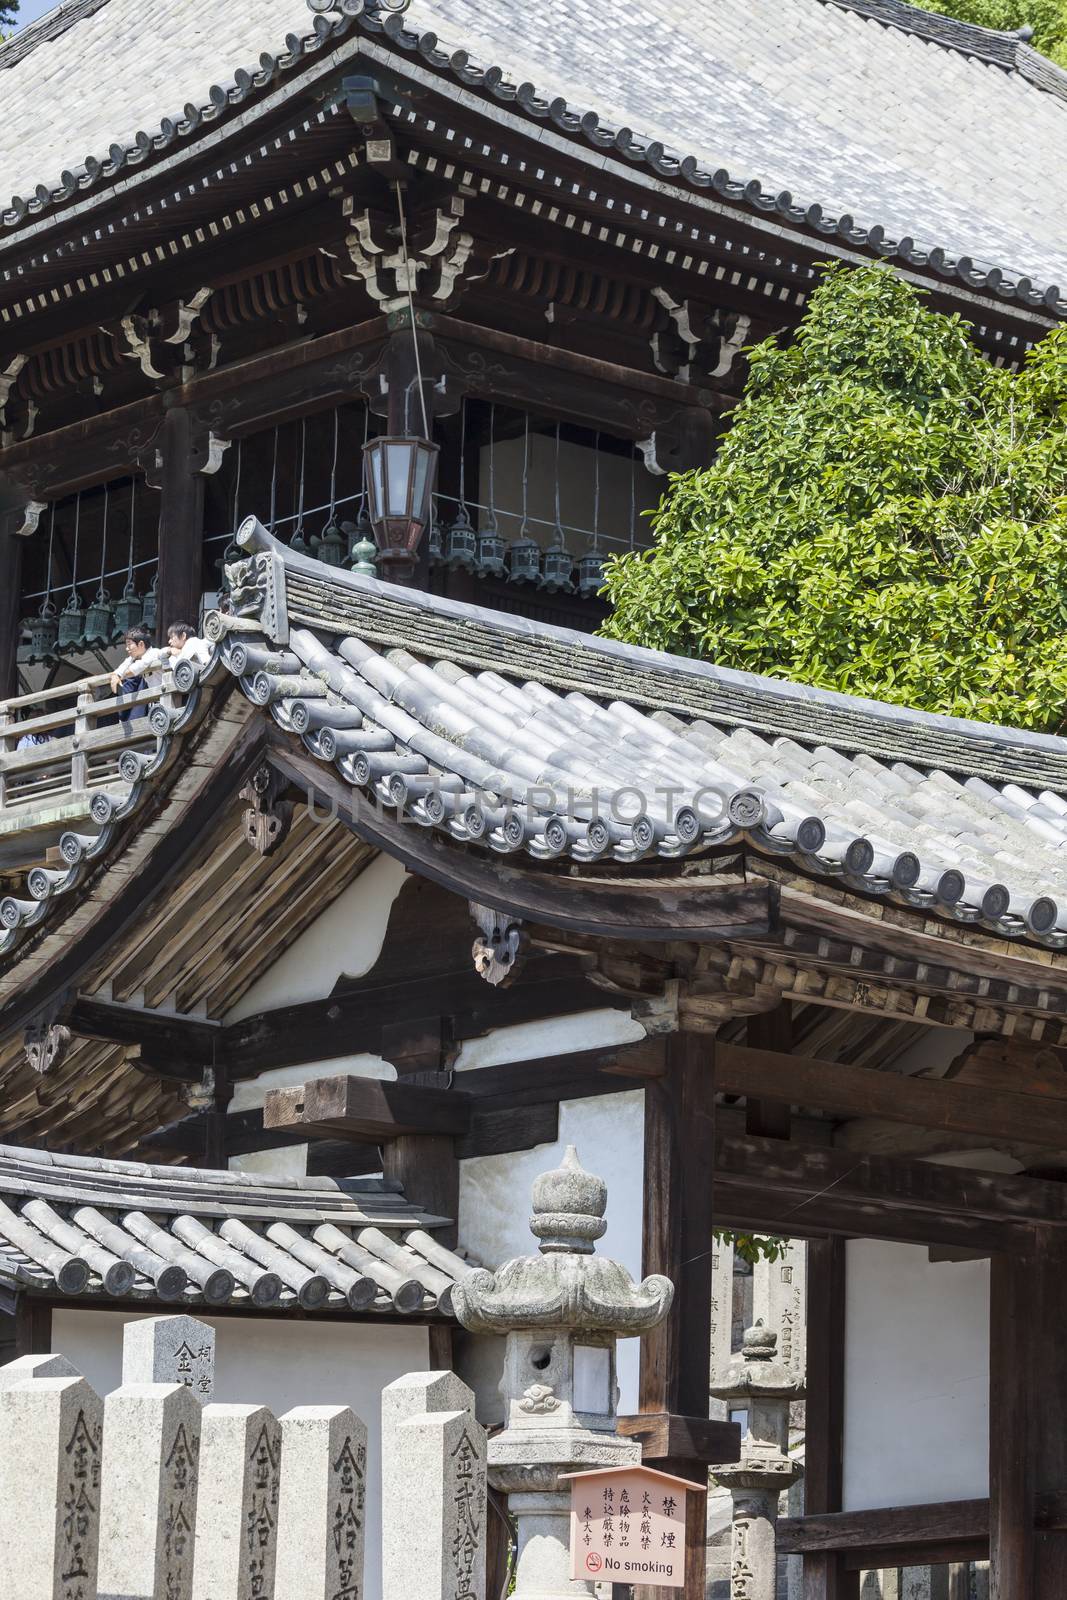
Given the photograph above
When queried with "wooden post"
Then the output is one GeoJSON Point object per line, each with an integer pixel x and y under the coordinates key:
{"type": "Point", "coordinates": [426, 1165]}
{"type": "Point", "coordinates": [770, 1030]}
{"type": "Point", "coordinates": [824, 1575]}
{"type": "Point", "coordinates": [678, 1229]}
{"type": "Point", "coordinates": [11, 548]}
{"type": "Point", "coordinates": [33, 1327]}
{"type": "Point", "coordinates": [181, 524]}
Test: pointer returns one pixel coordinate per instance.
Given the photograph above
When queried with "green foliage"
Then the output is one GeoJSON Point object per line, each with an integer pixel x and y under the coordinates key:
{"type": "Point", "coordinates": [887, 515]}
{"type": "Point", "coordinates": [1048, 18]}
{"type": "Point", "coordinates": [8, 19]}
{"type": "Point", "coordinates": [753, 1247]}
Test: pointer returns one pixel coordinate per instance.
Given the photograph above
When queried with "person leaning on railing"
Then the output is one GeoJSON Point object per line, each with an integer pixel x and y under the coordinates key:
{"type": "Point", "coordinates": [144, 663]}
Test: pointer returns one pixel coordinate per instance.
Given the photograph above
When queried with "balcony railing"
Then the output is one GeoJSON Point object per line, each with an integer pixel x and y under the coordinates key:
{"type": "Point", "coordinates": [49, 783]}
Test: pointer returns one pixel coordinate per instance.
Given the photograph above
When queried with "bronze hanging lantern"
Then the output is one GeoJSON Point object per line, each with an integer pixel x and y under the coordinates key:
{"type": "Point", "coordinates": [524, 560]}
{"type": "Point", "coordinates": [590, 574]}
{"type": "Point", "coordinates": [491, 551]}
{"type": "Point", "coordinates": [72, 623]}
{"type": "Point", "coordinates": [358, 533]}
{"type": "Point", "coordinates": [557, 568]}
{"type": "Point", "coordinates": [461, 543]}
{"type": "Point", "coordinates": [44, 632]}
{"type": "Point", "coordinates": [363, 557]}
{"type": "Point", "coordinates": [330, 545]}
{"type": "Point", "coordinates": [127, 610]}
{"type": "Point", "coordinates": [99, 619]}
{"type": "Point", "coordinates": [435, 544]}
{"type": "Point", "coordinates": [400, 480]}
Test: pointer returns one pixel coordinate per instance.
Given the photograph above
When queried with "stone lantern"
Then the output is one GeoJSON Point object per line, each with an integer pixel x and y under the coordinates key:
{"type": "Point", "coordinates": [757, 1381]}
{"type": "Point", "coordinates": [562, 1312]}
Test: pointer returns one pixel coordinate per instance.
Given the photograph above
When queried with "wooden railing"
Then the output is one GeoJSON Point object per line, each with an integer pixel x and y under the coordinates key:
{"type": "Point", "coordinates": [85, 741]}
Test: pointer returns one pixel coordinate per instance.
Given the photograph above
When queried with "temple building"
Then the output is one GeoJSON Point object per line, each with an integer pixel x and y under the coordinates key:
{"type": "Point", "coordinates": [356, 338]}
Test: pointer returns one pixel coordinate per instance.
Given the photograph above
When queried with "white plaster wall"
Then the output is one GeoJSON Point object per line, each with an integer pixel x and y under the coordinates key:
{"type": "Point", "coordinates": [494, 1195]}
{"type": "Point", "coordinates": [346, 939]}
{"type": "Point", "coordinates": [585, 1030]}
{"type": "Point", "coordinates": [916, 1377]}
{"type": "Point", "coordinates": [271, 1361]}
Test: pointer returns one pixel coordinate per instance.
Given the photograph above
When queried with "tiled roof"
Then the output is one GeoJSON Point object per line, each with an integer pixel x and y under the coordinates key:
{"type": "Point", "coordinates": [937, 139]}
{"type": "Point", "coordinates": [514, 737]}
{"type": "Point", "coordinates": [77, 1225]}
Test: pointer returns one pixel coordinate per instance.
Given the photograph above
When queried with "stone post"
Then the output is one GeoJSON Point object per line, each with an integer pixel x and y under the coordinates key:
{"type": "Point", "coordinates": [321, 1516]}
{"type": "Point", "coordinates": [151, 1458]}
{"type": "Point", "coordinates": [237, 1529]}
{"type": "Point", "coordinates": [176, 1349]}
{"type": "Point", "coordinates": [433, 1490]}
{"type": "Point", "coordinates": [562, 1311]}
{"type": "Point", "coordinates": [50, 1443]}
{"type": "Point", "coordinates": [757, 1380]}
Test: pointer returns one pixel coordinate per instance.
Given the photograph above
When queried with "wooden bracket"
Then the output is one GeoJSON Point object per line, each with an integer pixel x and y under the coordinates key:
{"type": "Point", "coordinates": [500, 949]}
{"type": "Point", "coordinates": [267, 819]}
{"type": "Point", "coordinates": [45, 1038]}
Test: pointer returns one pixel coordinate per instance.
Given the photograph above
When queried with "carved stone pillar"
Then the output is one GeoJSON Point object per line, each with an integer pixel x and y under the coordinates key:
{"type": "Point", "coordinates": [562, 1311]}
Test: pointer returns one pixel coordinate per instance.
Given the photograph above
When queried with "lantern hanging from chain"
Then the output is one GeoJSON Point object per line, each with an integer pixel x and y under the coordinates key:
{"type": "Point", "coordinates": [591, 565]}
{"type": "Point", "coordinates": [461, 543]}
{"type": "Point", "coordinates": [435, 543]}
{"type": "Point", "coordinates": [358, 533]}
{"type": "Point", "coordinates": [558, 564]}
{"type": "Point", "coordinates": [524, 553]}
{"type": "Point", "coordinates": [44, 626]}
{"type": "Point", "coordinates": [72, 617]}
{"type": "Point", "coordinates": [491, 550]}
{"type": "Point", "coordinates": [330, 546]}
{"type": "Point", "coordinates": [99, 617]}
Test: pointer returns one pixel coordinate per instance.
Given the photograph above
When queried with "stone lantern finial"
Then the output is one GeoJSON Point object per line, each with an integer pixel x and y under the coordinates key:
{"type": "Point", "coordinates": [568, 1207]}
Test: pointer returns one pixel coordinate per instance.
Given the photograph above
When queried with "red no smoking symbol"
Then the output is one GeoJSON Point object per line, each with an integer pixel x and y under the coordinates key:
{"type": "Point", "coordinates": [593, 1562]}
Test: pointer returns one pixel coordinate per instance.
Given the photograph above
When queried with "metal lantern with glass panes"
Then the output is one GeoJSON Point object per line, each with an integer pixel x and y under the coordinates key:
{"type": "Point", "coordinates": [400, 480]}
{"type": "Point", "coordinates": [461, 542]}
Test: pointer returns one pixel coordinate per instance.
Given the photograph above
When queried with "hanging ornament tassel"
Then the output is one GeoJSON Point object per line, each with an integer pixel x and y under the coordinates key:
{"type": "Point", "coordinates": [555, 575]}
{"type": "Point", "coordinates": [591, 565]}
{"type": "Point", "coordinates": [524, 553]}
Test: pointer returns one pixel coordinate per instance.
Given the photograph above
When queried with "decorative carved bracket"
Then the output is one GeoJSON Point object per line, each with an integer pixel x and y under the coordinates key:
{"type": "Point", "coordinates": [500, 948]}
{"type": "Point", "coordinates": [159, 340]}
{"type": "Point", "coordinates": [267, 819]}
{"type": "Point", "coordinates": [702, 342]}
{"type": "Point", "coordinates": [440, 259]}
{"type": "Point", "coordinates": [45, 1039]}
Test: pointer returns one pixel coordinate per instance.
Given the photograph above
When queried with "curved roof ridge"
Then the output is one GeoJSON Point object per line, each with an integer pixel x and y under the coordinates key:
{"type": "Point", "coordinates": [1011, 50]}
{"type": "Point", "coordinates": [51, 25]}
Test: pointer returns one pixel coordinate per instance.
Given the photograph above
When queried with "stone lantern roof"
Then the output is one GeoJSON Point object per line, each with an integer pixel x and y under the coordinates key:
{"type": "Point", "coordinates": [566, 1285]}
{"type": "Point", "coordinates": [756, 1373]}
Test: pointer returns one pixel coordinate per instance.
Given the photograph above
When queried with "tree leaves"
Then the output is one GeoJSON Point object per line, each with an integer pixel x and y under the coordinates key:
{"type": "Point", "coordinates": [887, 515]}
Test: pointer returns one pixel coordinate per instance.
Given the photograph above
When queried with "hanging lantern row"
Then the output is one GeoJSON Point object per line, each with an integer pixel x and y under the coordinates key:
{"type": "Point", "coordinates": [103, 622]}
{"type": "Point", "coordinates": [486, 554]}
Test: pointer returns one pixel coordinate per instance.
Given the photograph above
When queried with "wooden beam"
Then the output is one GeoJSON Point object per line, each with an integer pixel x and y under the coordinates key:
{"type": "Point", "coordinates": [665, 1436]}
{"type": "Point", "coordinates": [690, 908]}
{"type": "Point", "coordinates": [936, 1103]}
{"type": "Point", "coordinates": [888, 1528]}
{"type": "Point", "coordinates": [192, 1040]}
{"type": "Point", "coordinates": [365, 1109]}
{"type": "Point", "coordinates": [352, 1020]}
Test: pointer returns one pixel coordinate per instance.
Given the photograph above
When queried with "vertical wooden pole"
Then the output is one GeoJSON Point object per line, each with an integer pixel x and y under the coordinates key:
{"type": "Point", "coordinates": [33, 1327]}
{"type": "Point", "coordinates": [678, 1229]}
{"type": "Point", "coordinates": [1011, 1446]}
{"type": "Point", "coordinates": [1046, 1365]}
{"type": "Point", "coordinates": [181, 525]}
{"type": "Point", "coordinates": [824, 1575]}
{"type": "Point", "coordinates": [769, 1030]}
{"type": "Point", "coordinates": [426, 1165]}
{"type": "Point", "coordinates": [11, 549]}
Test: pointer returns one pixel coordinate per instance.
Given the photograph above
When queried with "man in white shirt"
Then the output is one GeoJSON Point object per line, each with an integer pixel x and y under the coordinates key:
{"type": "Point", "coordinates": [184, 645]}
{"type": "Point", "coordinates": [144, 663]}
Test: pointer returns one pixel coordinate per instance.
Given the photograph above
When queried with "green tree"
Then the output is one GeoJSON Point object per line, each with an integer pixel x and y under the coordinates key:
{"type": "Point", "coordinates": [886, 515]}
{"type": "Point", "coordinates": [8, 18]}
{"type": "Point", "coordinates": [1048, 19]}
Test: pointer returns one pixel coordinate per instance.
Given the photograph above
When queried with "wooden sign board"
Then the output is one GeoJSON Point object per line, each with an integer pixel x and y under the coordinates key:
{"type": "Point", "coordinates": [628, 1526]}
